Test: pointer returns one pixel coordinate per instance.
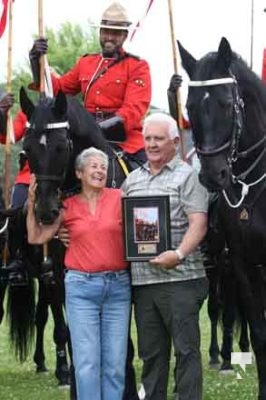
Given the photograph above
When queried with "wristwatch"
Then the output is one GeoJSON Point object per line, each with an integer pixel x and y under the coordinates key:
{"type": "Point", "coordinates": [179, 254]}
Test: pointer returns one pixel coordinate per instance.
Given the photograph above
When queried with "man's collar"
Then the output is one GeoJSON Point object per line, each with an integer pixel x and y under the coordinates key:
{"type": "Point", "coordinates": [170, 165]}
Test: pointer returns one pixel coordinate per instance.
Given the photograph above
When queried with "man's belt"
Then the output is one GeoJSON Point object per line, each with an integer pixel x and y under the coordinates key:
{"type": "Point", "coordinates": [102, 115]}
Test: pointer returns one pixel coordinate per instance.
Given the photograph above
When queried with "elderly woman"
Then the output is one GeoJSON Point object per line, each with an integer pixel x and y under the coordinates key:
{"type": "Point", "coordinates": [97, 281]}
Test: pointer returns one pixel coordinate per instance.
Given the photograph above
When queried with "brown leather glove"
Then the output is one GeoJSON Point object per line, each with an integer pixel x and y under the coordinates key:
{"type": "Point", "coordinates": [39, 48]}
{"type": "Point", "coordinates": [174, 85]}
{"type": "Point", "coordinates": [6, 102]}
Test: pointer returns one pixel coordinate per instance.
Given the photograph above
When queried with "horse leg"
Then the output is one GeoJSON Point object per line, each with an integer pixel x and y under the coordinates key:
{"type": "Point", "coordinates": [244, 338]}
{"type": "Point", "coordinates": [229, 301]}
{"type": "Point", "coordinates": [73, 389]}
{"type": "Point", "coordinates": [213, 313]}
{"type": "Point", "coordinates": [41, 318]}
{"type": "Point", "coordinates": [2, 296]}
{"type": "Point", "coordinates": [60, 339]}
{"type": "Point", "coordinates": [227, 344]}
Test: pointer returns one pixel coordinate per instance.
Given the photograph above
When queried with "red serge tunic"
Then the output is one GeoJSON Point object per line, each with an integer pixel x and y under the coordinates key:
{"type": "Point", "coordinates": [124, 89]}
{"type": "Point", "coordinates": [96, 241]}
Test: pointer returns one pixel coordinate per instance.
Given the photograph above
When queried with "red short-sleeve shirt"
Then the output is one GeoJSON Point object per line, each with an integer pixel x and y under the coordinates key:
{"type": "Point", "coordinates": [96, 241]}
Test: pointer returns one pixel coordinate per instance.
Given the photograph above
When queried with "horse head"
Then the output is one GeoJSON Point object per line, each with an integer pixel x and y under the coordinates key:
{"type": "Point", "coordinates": [216, 112]}
{"type": "Point", "coordinates": [47, 146]}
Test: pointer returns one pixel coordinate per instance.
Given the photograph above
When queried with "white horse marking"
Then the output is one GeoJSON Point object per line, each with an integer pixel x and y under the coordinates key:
{"type": "Point", "coordinates": [43, 140]}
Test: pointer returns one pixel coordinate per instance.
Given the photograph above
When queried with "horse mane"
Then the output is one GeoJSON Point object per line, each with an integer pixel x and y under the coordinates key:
{"type": "Point", "coordinates": [84, 126]}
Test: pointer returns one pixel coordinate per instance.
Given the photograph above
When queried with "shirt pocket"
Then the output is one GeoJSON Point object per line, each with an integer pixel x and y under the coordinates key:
{"type": "Point", "coordinates": [116, 85]}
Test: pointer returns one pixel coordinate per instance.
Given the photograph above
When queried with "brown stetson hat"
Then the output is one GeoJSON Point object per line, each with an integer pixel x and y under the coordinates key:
{"type": "Point", "coordinates": [115, 17]}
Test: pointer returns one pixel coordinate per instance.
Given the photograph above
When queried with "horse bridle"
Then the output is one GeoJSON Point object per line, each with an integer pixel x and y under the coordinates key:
{"type": "Point", "coordinates": [238, 108]}
{"type": "Point", "coordinates": [233, 142]}
{"type": "Point", "coordinates": [52, 126]}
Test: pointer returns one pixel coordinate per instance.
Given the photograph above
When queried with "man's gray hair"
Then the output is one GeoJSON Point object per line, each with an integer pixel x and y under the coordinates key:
{"type": "Point", "coordinates": [162, 117]}
{"type": "Point", "coordinates": [85, 155]}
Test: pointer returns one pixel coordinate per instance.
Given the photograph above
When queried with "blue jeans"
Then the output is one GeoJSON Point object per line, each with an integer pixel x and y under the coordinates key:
{"type": "Point", "coordinates": [98, 311]}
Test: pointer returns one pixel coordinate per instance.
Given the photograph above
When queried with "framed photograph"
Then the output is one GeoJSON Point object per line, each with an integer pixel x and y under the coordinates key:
{"type": "Point", "coordinates": [146, 223]}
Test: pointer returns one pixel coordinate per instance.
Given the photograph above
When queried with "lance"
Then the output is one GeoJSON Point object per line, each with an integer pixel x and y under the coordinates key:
{"type": "Point", "coordinates": [41, 59]}
{"type": "Point", "coordinates": [7, 165]}
{"type": "Point", "coordinates": [46, 262]}
{"type": "Point", "coordinates": [178, 97]}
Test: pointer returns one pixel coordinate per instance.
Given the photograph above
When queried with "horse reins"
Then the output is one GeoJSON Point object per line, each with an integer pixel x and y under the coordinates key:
{"type": "Point", "coordinates": [119, 157]}
{"type": "Point", "coordinates": [233, 143]}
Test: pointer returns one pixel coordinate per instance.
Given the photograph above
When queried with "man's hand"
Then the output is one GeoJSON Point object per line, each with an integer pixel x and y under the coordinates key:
{"type": "Point", "coordinates": [63, 235]}
{"type": "Point", "coordinates": [39, 47]}
{"type": "Point", "coordinates": [168, 260]}
{"type": "Point", "coordinates": [7, 102]}
{"type": "Point", "coordinates": [175, 82]}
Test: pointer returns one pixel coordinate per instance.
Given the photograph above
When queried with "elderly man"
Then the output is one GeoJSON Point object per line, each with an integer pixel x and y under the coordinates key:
{"type": "Point", "coordinates": [169, 290]}
{"type": "Point", "coordinates": [116, 85]}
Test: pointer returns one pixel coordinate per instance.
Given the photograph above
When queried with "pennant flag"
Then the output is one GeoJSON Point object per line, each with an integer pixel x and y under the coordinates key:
{"type": "Point", "coordinates": [140, 21]}
{"type": "Point", "coordinates": [3, 17]}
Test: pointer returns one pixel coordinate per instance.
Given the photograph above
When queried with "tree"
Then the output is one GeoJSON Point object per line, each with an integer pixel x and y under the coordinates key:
{"type": "Point", "coordinates": [66, 44]}
{"type": "Point", "coordinates": [69, 43]}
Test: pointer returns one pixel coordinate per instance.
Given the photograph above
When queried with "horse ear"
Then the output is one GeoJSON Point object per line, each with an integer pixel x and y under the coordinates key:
{"type": "Point", "coordinates": [60, 105]}
{"type": "Point", "coordinates": [188, 61]}
{"type": "Point", "coordinates": [224, 57]}
{"type": "Point", "coordinates": [26, 104]}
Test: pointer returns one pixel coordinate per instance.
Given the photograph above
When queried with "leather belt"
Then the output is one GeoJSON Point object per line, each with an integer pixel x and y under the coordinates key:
{"type": "Point", "coordinates": [102, 115]}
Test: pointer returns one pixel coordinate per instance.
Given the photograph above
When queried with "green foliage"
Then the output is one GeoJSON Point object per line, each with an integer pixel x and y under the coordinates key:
{"type": "Point", "coordinates": [66, 44]}
{"type": "Point", "coordinates": [19, 381]}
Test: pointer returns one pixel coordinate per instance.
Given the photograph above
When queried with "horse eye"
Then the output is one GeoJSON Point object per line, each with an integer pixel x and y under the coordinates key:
{"type": "Point", "coordinates": [225, 104]}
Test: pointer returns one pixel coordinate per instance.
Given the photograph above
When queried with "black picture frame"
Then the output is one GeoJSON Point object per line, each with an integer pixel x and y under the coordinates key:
{"type": "Point", "coordinates": [146, 226]}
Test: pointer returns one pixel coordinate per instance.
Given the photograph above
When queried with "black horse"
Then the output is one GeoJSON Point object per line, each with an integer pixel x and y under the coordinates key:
{"type": "Point", "coordinates": [224, 305]}
{"type": "Point", "coordinates": [58, 130]}
{"type": "Point", "coordinates": [27, 309]}
{"type": "Point", "coordinates": [226, 105]}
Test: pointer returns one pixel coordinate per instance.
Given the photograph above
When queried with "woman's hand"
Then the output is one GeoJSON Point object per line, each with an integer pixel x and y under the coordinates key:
{"type": "Point", "coordinates": [63, 235]}
{"type": "Point", "coordinates": [32, 190]}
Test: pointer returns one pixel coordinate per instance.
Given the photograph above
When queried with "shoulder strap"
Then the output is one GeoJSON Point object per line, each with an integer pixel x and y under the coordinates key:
{"type": "Point", "coordinates": [104, 69]}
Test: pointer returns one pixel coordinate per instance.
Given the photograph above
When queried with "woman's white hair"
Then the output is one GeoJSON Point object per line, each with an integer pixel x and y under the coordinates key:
{"type": "Point", "coordinates": [85, 155]}
{"type": "Point", "coordinates": [162, 117]}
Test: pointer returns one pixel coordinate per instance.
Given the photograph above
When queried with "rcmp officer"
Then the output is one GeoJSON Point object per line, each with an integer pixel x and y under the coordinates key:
{"type": "Point", "coordinates": [116, 85]}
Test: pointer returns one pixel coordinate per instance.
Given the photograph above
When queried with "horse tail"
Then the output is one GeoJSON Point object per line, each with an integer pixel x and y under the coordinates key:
{"type": "Point", "coordinates": [21, 318]}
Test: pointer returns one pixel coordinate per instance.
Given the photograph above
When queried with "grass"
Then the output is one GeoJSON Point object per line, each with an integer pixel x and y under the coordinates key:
{"type": "Point", "coordinates": [19, 381]}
